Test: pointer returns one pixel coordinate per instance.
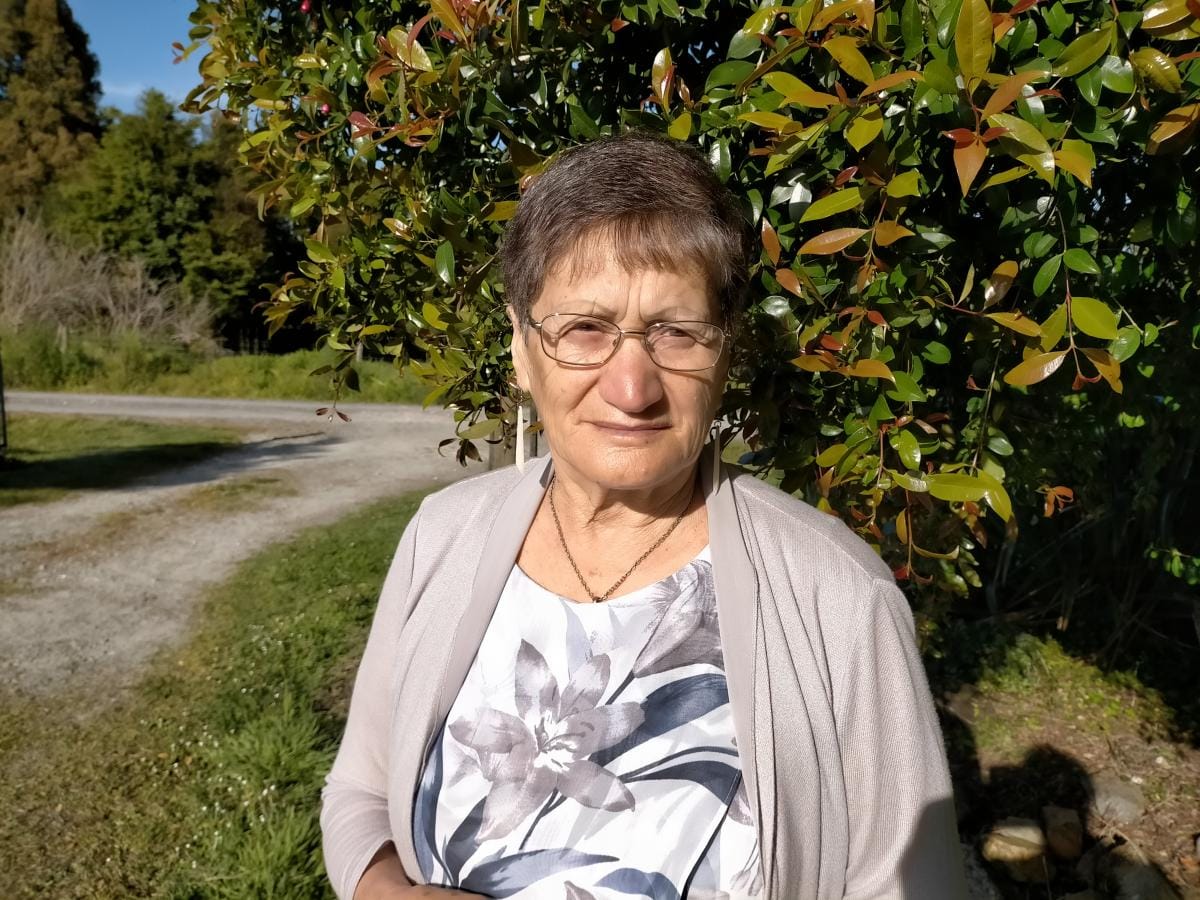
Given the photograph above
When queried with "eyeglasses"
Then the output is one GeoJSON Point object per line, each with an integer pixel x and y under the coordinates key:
{"type": "Point", "coordinates": [575, 339]}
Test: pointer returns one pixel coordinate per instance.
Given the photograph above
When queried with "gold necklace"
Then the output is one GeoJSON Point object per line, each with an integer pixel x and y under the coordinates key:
{"type": "Point", "coordinates": [597, 598]}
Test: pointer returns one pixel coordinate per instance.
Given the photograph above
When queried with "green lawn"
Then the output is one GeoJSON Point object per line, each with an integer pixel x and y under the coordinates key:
{"type": "Point", "coordinates": [35, 360]}
{"type": "Point", "coordinates": [50, 455]}
{"type": "Point", "coordinates": [204, 781]}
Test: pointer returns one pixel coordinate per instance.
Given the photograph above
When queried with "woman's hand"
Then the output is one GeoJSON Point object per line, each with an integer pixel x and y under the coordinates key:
{"type": "Point", "coordinates": [384, 879]}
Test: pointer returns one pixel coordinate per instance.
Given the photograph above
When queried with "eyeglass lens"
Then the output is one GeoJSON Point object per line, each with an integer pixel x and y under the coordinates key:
{"type": "Point", "coordinates": [583, 340]}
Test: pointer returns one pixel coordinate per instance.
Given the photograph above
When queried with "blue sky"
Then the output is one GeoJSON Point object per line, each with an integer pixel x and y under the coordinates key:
{"type": "Point", "coordinates": [132, 39]}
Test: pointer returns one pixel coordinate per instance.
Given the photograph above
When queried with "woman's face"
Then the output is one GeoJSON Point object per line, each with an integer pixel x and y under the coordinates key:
{"type": "Point", "coordinates": [626, 425]}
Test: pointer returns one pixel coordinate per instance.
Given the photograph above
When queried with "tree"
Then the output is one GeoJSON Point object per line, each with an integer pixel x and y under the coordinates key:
{"type": "Point", "coordinates": [156, 191]}
{"type": "Point", "coordinates": [48, 94]}
{"type": "Point", "coordinates": [975, 221]}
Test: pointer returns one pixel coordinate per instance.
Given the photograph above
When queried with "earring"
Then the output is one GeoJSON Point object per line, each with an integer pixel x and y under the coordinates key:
{"type": "Point", "coordinates": [526, 443]}
{"type": "Point", "coordinates": [715, 436]}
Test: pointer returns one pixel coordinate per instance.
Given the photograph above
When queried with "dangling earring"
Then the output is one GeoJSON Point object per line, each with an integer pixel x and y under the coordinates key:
{"type": "Point", "coordinates": [714, 433]}
{"type": "Point", "coordinates": [526, 418]}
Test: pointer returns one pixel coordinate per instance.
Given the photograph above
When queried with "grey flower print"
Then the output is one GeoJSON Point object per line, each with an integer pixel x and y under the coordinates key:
{"type": "Point", "coordinates": [545, 748]}
{"type": "Point", "coordinates": [686, 631]}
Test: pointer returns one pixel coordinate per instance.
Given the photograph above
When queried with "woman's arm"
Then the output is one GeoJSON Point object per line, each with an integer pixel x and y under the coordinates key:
{"type": "Point", "coordinates": [385, 880]}
{"type": "Point", "coordinates": [354, 802]}
{"type": "Point", "coordinates": [903, 834]}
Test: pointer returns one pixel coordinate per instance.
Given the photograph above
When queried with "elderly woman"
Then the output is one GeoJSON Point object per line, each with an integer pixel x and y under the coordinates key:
{"type": "Point", "coordinates": [629, 671]}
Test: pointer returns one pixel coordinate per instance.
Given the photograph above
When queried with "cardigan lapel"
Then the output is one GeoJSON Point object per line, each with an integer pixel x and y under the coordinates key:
{"type": "Point", "coordinates": [736, 585]}
{"type": "Point", "coordinates": [500, 551]}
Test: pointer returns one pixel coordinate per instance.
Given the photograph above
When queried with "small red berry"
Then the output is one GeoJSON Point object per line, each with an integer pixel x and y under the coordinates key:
{"type": "Point", "coordinates": [305, 6]}
{"type": "Point", "coordinates": [324, 109]}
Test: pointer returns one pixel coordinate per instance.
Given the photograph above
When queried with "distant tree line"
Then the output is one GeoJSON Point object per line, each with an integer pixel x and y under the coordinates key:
{"type": "Point", "coordinates": [154, 188]}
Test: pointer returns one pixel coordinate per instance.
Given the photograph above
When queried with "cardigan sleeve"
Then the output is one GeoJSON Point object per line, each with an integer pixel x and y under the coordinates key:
{"type": "Point", "coordinates": [903, 834]}
{"type": "Point", "coordinates": [354, 802]}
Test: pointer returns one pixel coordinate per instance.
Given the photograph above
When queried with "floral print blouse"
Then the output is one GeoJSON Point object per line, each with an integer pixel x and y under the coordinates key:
{"type": "Point", "coordinates": [590, 754]}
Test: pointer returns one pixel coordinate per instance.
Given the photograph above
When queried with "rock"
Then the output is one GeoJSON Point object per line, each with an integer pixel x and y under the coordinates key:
{"type": "Point", "coordinates": [1115, 800]}
{"type": "Point", "coordinates": [1130, 876]}
{"type": "Point", "coordinates": [1064, 831]}
{"type": "Point", "coordinates": [979, 884]}
{"type": "Point", "coordinates": [1019, 847]}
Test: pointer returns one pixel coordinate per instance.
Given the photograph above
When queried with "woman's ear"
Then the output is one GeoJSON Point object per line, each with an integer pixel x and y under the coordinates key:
{"type": "Point", "coordinates": [519, 348]}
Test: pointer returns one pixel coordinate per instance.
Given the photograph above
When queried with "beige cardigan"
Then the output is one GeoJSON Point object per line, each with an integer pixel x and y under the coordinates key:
{"type": "Point", "coordinates": [841, 751]}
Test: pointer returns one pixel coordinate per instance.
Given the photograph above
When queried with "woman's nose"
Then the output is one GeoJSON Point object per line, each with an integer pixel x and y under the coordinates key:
{"type": "Point", "coordinates": [631, 381]}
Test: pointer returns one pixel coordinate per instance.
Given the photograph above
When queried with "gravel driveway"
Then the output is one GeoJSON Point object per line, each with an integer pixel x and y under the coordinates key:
{"type": "Point", "coordinates": [96, 582]}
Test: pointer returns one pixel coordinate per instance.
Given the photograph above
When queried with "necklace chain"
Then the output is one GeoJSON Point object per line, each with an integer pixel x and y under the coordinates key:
{"type": "Point", "coordinates": [562, 539]}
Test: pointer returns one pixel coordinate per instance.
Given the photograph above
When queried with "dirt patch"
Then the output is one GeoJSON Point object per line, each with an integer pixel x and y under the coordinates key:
{"type": "Point", "coordinates": [97, 582]}
{"type": "Point", "coordinates": [1064, 736]}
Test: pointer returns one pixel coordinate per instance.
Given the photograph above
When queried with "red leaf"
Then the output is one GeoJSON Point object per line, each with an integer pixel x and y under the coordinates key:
{"type": "Point", "coordinates": [845, 175]}
{"type": "Point", "coordinates": [1021, 5]}
{"type": "Point", "coordinates": [617, 24]}
{"type": "Point", "coordinates": [961, 136]}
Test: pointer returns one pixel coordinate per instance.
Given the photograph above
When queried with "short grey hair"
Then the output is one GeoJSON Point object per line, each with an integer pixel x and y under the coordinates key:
{"type": "Point", "coordinates": [656, 202]}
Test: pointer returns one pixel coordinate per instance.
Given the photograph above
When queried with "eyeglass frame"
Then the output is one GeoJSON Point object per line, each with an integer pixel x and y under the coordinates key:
{"type": "Point", "coordinates": [621, 333]}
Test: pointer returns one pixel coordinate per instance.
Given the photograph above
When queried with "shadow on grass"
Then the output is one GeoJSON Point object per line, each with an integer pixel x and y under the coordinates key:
{"type": "Point", "coordinates": [41, 480]}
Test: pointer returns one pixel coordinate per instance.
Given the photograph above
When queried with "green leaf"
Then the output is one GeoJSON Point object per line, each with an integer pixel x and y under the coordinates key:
{"type": "Point", "coordinates": [481, 429]}
{"type": "Point", "coordinates": [936, 352]}
{"type": "Point", "coordinates": [865, 127]}
{"type": "Point", "coordinates": [955, 487]}
{"type": "Point", "coordinates": [832, 204]}
{"type": "Point", "coordinates": [1085, 50]}
{"type": "Point", "coordinates": [1116, 74]}
{"type": "Point", "coordinates": [1128, 340]}
{"type": "Point", "coordinates": [1094, 317]}
{"type": "Point", "coordinates": [432, 316]}
{"type": "Point", "coordinates": [831, 455]}
{"type": "Point", "coordinates": [444, 262]}
{"type": "Point", "coordinates": [906, 184]}
{"type": "Point", "coordinates": [906, 388]}
{"type": "Point", "coordinates": [731, 72]}
{"type": "Point", "coordinates": [912, 29]}
{"type": "Point", "coordinates": [1045, 274]}
{"type": "Point", "coordinates": [319, 252]}
{"type": "Point", "coordinates": [1079, 260]}
{"type": "Point", "coordinates": [940, 77]}
{"type": "Point", "coordinates": [973, 39]}
{"type": "Point", "coordinates": [681, 126]}
{"type": "Point", "coordinates": [1021, 131]}
{"type": "Point", "coordinates": [907, 448]}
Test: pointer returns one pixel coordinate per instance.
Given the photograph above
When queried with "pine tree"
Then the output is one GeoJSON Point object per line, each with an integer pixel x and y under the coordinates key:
{"type": "Point", "coordinates": [48, 98]}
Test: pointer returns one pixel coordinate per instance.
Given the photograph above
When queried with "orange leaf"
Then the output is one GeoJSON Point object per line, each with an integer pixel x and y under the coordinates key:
{"type": "Point", "coordinates": [1173, 129]}
{"type": "Point", "coordinates": [867, 368]}
{"type": "Point", "coordinates": [770, 242]}
{"type": "Point", "coordinates": [1002, 279]}
{"type": "Point", "coordinates": [831, 241]}
{"type": "Point", "coordinates": [968, 160]}
{"type": "Point", "coordinates": [811, 364]}
{"type": "Point", "coordinates": [1107, 366]}
{"type": "Point", "coordinates": [1008, 92]}
{"type": "Point", "coordinates": [789, 282]}
{"type": "Point", "coordinates": [1037, 368]}
{"type": "Point", "coordinates": [887, 233]}
{"type": "Point", "coordinates": [890, 81]}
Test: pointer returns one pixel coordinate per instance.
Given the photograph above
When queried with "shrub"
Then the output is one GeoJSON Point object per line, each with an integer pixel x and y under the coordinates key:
{"type": "Point", "coordinates": [977, 223]}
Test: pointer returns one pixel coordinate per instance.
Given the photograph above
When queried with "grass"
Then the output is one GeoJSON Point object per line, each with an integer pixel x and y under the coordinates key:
{"type": "Point", "coordinates": [204, 781]}
{"type": "Point", "coordinates": [35, 360]}
{"type": "Point", "coordinates": [1045, 685]}
{"type": "Point", "coordinates": [51, 455]}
